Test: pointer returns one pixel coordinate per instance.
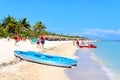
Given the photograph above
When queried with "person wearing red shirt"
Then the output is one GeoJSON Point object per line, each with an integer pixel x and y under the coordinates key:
{"type": "Point", "coordinates": [42, 40]}
{"type": "Point", "coordinates": [16, 38]}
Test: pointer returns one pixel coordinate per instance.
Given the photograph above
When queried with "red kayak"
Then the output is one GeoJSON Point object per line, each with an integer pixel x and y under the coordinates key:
{"type": "Point", "coordinates": [88, 46]}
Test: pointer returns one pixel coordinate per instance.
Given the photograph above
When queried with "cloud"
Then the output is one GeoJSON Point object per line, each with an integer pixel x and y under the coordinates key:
{"type": "Point", "coordinates": [101, 33]}
{"type": "Point", "coordinates": [104, 31]}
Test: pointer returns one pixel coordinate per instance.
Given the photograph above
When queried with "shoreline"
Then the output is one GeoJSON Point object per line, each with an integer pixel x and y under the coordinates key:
{"type": "Point", "coordinates": [88, 68]}
{"type": "Point", "coordinates": [107, 71]}
{"type": "Point", "coordinates": [25, 70]}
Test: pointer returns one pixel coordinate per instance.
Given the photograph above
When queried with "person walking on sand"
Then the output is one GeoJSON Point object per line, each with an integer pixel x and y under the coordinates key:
{"type": "Point", "coordinates": [16, 38]}
{"type": "Point", "coordinates": [42, 40]}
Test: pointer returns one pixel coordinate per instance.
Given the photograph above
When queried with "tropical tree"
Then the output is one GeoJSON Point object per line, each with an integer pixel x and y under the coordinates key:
{"type": "Point", "coordinates": [23, 25]}
{"type": "Point", "coordinates": [38, 27]}
{"type": "Point", "coordinates": [8, 24]}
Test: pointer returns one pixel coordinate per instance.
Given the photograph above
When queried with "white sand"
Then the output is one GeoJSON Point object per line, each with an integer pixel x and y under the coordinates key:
{"type": "Point", "coordinates": [7, 48]}
{"type": "Point", "coordinates": [25, 70]}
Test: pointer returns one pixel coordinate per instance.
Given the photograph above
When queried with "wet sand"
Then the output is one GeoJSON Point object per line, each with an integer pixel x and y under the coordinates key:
{"type": "Point", "coordinates": [88, 67]}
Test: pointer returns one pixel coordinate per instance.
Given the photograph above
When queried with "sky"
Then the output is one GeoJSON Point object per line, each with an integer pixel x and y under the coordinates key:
{"type": "Point", "coordinates": [94, 19]}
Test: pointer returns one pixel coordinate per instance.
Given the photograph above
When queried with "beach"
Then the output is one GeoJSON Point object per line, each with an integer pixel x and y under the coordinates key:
{"type": "Point", "coordinates": [13, 68]}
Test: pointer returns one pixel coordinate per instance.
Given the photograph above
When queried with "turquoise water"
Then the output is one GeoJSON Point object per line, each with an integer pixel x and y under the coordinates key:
{"type": "Point", "coordinates": [109, 53]}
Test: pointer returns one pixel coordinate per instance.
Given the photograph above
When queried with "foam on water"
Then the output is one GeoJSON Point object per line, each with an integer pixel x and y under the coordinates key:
{"type": "Point", "coordinates": [108, 54]}
{"type": "Point", "coordinates": [107, 71]}
{"type": "Point", "coordinates": [88, 67]}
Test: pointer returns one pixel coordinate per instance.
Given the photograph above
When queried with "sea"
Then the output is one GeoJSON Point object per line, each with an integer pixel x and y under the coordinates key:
{"type": "Point", "coordinates": [108, 52]}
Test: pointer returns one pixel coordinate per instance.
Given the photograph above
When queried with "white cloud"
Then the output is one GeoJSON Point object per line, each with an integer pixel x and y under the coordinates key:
{"type": "Point", "coordinates": [110, 31]}
{"type": "Point", "coordinates": [101, 33]}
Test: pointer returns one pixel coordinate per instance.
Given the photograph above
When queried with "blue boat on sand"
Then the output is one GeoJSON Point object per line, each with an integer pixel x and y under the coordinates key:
{"type": "Point", "coordinates": [45, 58]}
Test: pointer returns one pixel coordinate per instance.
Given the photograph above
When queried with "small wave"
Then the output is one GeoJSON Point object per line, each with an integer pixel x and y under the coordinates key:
{"type": "Point", "coordinates": [107, 71]}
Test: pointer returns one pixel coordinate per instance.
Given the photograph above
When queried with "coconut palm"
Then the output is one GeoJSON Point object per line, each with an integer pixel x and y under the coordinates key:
{"type": "Point", "coordinates": [38, 27]}
{"type": "Point", "coordinates": [23, 25]}
{"type": "Point", "coordinates": [8, 24]}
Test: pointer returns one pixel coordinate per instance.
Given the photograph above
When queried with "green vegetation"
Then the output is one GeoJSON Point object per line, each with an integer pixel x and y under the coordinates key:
{"type": "Point", "coordinates": [9, 26]}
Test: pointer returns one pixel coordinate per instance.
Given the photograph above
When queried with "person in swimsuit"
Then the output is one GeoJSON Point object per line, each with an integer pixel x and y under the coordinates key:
{"type": "Point", "coordinates": [42, 40]}
{"type": "Point", "coordinates": [77, 42]}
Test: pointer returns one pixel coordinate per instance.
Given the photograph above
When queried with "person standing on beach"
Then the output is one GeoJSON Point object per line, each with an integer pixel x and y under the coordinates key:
{"type": "Point", "coordinates": [77, 42]}
{"type": "Point", "coordinates": [8, 38]}
{"type": "Point", "coordinates": [42, 40]}
{"type": "Point", "coordinates": [73, 42]}
{"type": "Point", "coordinates": [38, 43]}
{"type": "Point", "coordinates": [16, 38]}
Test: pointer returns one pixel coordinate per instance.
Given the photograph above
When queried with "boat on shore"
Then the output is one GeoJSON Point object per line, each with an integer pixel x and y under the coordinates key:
{"type": "Point", "coordinates": [88, 46]}
{"type": "Point", "coordinates": [45, 59]}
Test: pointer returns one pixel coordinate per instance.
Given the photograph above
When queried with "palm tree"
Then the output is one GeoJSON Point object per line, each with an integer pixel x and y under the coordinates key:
{"type": "Point", "coordinates": [38, 27]}
{"type": "Point", "coordinates": [9, 24]}
{"type": "Point", "coordinates": [23, 25]}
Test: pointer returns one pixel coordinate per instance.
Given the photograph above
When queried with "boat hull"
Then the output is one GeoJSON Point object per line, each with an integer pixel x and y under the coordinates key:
{"type": "Point", "coordinates": [45, 59]}
{"type": "Point", "coordinates": [88, 46]}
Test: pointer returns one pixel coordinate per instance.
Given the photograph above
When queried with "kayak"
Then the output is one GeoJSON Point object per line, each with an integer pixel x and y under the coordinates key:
{"type": "Point", "coordinates": [88, 46]}
{"type": "Point", "coordinates": [72, 61]}
{"type": "Point", "coordinates": [45, 59]}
